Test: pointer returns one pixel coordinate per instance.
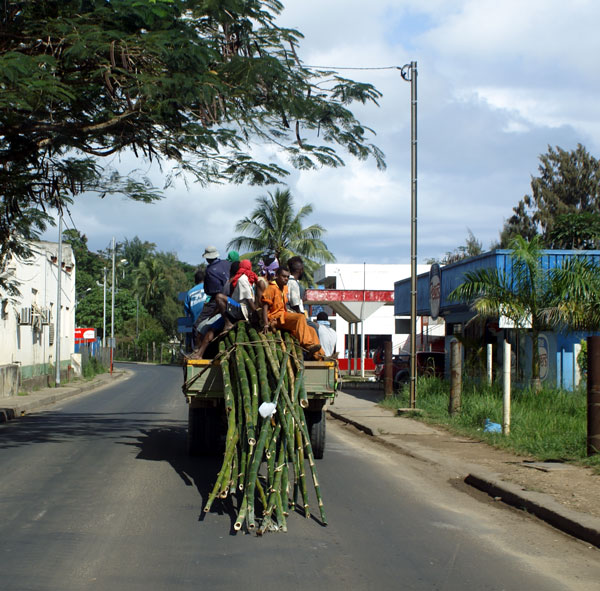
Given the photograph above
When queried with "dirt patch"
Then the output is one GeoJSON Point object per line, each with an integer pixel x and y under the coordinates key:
{"type": "Point", "coordinates": [575, 487]}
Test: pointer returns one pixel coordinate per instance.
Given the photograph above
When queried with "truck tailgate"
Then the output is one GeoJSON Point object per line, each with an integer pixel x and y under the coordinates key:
{"type": "Point", "coordinates": [203, 378]}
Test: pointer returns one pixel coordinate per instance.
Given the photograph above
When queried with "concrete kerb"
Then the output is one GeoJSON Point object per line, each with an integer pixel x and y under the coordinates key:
{"type": "Point", "coordinates": [15, 407]}
{"type": "Point", "coordinates": [543, 506]}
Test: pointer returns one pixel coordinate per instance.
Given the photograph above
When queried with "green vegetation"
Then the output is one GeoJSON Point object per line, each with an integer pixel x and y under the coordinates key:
{"type": "Point", "coordinates": [524, 294]}
{"type": "Point", "coordinates": [276, 226]}
{"type": "Point", "coordinates": [147, 284]}
{"type": "Point", "coordinates": [92, 368]}
{"type": "Point", "coordinates": [549, 424]}
{"type": "Point", "coordinates": [564, 202]}
{"type": "Point", "coordinates": [195, 84]}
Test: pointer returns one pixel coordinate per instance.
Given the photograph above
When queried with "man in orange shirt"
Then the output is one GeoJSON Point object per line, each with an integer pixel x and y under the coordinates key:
{"type": "Point", "coordinates": [274, 314]}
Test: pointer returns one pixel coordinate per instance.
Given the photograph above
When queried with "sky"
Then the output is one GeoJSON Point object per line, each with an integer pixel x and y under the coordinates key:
{"type": "Point", "coordinates": [498, 82]}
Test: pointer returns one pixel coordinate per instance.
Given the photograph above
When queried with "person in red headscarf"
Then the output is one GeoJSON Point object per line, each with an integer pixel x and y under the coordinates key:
{"type": "Point", "coordinates": [241, 304]}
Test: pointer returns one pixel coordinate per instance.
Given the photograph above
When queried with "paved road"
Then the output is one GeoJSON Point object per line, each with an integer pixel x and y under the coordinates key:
{"type": "Point", "coordinates": [98, 494]}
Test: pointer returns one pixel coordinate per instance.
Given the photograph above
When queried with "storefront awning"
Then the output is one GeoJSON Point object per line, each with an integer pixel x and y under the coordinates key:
{"type": "Point", "coordinates": [353, 305]}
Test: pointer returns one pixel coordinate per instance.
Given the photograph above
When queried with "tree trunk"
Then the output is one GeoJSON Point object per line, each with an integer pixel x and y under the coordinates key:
{"type": "Point", "coordinates": [536, 383]}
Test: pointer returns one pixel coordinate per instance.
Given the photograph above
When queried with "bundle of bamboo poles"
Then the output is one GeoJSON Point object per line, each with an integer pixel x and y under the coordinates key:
{"type": "Point", "coordinates": [264, 460]}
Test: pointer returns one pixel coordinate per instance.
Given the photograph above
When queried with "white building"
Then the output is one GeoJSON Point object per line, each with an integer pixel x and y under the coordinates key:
{"type": "Point", "coordinates": [27, 322]}
{"type": "Point", "coordinates": [378, 320]}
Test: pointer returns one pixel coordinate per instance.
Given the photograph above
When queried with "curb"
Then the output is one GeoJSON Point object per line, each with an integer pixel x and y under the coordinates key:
{"type": "Point", "coordinates": [543, 506]}
{"type": "Point", "coordinates": [8, 413]}
{"type": "Point", "coordinates": [538, 504]}
{"type": "Point", "coordinates": [348, 421]}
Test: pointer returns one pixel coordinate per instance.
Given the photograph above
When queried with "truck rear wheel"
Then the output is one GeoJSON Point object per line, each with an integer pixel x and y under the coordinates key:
{"type": "Point", "coordinates": [204, 431]}
{"type": "Point", "coordinates": [315, 423]}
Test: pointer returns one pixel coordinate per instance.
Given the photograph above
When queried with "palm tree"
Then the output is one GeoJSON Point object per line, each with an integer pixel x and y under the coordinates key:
{"type": "Point", "coordinates": [524, 294]}
{"type": "Point", "coordinates": [576, 286]}
{"type": "Point", "coordinates": [151, 285]}
{"type": "Point", "coordinates": [275, 226]}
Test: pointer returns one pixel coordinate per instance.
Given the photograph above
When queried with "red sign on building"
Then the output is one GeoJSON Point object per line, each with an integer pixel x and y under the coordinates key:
{"type": "Point", "coordinates": [85, 335]}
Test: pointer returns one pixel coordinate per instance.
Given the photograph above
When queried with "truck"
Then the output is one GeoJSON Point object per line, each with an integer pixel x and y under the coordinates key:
{"type": "Point", "coordinates": [203, 389]}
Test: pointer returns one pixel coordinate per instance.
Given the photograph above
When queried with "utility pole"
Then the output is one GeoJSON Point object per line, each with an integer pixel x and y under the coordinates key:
{"type": "Point", "coordinates": [58, 299]}
{"type": "Point", "coordinates": [112, 312]}
{"type": "Point", "coordinates": [409, 73]}
{"type": "Point", "coordinates": [104, 311]}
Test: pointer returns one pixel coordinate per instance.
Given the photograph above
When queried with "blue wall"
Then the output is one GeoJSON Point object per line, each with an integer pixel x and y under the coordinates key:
{"type": "Point", "coordinates": [453, 275]}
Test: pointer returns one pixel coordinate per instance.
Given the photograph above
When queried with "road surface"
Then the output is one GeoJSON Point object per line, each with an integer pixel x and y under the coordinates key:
{"type": "Point", "coordinates": [98, 493]}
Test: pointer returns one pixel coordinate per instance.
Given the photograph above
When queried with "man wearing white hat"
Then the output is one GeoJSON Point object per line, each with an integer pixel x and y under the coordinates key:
{"type": "Point", "coordinates": [217, 272]}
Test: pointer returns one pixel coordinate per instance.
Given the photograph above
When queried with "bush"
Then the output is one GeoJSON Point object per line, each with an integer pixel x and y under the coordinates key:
{"type": "Point", "coordinates": [92, 367]}
{"type": "Point", "coordinates": [550, 424]}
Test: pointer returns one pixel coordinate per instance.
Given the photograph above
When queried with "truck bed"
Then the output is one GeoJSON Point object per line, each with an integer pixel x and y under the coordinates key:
{"type": "Point", "coordinates": [203, 379]}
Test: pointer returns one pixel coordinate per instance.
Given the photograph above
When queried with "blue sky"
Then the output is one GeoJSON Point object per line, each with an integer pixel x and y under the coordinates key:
{"type": "Point", "coordinates": [498, 82]}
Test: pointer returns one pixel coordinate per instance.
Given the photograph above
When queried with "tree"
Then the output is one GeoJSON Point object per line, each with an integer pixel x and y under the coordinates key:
{"type": "Point", "coordinates": [151, 285]}
{"type": "Point", "coordinates": [194, 82]}
{"type": "Point", "coordinates": [568, 185]}
{"type": "Point", "coordinates": [524, 294]}
{"type": "Point", "coordinates": [274, 225]}
{"type": "Point", "coordinates": [576, 289]}
{"type": "Point", "coordinates": [135, 251]}
{"type": "Point", "coordinates": [579, 231]}
{"type": "Point", "coordinates": [471, 248]}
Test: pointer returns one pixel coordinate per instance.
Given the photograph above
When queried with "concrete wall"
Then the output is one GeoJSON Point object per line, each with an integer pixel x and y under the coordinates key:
{"type": "Point", "coordinates": [27, 322]}
{"type": "Point", "coordinates": [9, 380]}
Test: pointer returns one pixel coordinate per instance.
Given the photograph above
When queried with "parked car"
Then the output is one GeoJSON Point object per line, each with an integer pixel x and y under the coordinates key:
{"type": "Point", "coordinates": [429, 363]}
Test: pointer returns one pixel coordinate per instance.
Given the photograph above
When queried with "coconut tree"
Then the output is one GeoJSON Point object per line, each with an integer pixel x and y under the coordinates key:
{"type": "Point", "coordinates": [151, 285]}
{"type": "Point", "coordinates": [576, 288]}
{"type": "Point", "coordinates": [275, 225]}
{"type": "Point", "coordinates": [524, 293]}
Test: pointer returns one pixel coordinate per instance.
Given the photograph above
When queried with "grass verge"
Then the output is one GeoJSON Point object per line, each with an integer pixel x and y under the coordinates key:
{"type": "Point", "coordinates": [92, 368]}
{"type": "Point", "coordinates": [549, 425]}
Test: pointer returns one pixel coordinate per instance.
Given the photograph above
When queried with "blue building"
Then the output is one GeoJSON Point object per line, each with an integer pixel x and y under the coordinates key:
{"type": "Point", "coordinates": [558, 351]}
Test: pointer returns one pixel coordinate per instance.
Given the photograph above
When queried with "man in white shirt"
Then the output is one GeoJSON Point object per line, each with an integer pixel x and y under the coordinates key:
{"type": "Point", "coordinates": [296, 267]}
{"type": "Point", "coordinates": [327, 335]}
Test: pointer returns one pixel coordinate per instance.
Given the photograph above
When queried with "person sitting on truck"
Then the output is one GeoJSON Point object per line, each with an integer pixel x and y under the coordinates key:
{"type": "Point", "coordinates": [194, 301]}
{"type": "Point", "coordinates": [216, 276]}
{"type": "Point", "coordinates": [217, 271]}
{"type": "Point", "coordinates": [296, 267]}
{"type": "Point", "coordinates": [241, 304]}
{"type": "Point", "coordinates": [212, 325]}
{"type": "Point", "coordinates": [327, 335]}
{"type": "Point", "coordinates": [195, 297]}
{"type": "Point", "coordinates": [267, 266]}
{"type": "Point", "coordinates": [275, 315]}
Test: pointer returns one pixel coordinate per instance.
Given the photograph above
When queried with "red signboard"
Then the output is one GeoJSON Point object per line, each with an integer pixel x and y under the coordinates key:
{"type": "Point", "coordinates": [85, 335]}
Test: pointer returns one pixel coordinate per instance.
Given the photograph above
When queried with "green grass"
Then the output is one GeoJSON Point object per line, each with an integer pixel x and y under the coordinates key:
{"type": "Point", "coordinates": [92, 368]}
{"type": "Point", "coordinates": [551, 424]}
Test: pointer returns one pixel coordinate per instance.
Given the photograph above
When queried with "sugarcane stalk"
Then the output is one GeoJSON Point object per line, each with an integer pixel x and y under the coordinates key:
{"type": "Point", "coordinates": [302, 396]}
{"type": "Point", "coordinates": [256, 366]}
{"type": "Point", "coordinates": [234, 474]}
{"type": "Point", "coordinates": [272, 455]}
{"type": "Point", "coordinates": [253, 472]}
{"type": "Point", "coordinates": [298, 415]}
{"type": "Point", "coordinates": [251, 369]}
{"type": "Point", "coordinates": [285, 485]}
{"type": "Point", "coordinates": [241, 515]}
{"type": "Point", "coordinates": [303, 487]}
{"type": "Point", "coordinates": [261, 494]}
{"type": "Point", "coordinates": [226, 464]}
{"type": "Point", "coordinates": [246, 396]}
{"type": "Point", "coordinates": [270, 355]}
{"type": "Point", "coordinates": [261, 364]}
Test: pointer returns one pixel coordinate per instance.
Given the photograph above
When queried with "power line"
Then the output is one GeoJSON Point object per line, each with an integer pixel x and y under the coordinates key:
{"type": "Point", "coordinates": [354, 67]}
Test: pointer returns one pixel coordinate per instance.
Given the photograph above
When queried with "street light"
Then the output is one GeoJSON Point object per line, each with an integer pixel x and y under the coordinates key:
{"type": "Point", "coordinates": [409, 73]}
